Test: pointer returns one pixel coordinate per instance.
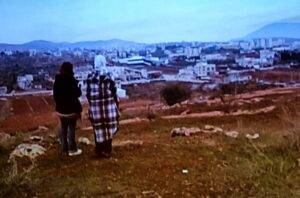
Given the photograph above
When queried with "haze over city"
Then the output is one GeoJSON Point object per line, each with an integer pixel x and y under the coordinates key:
{"type": "Point", "coordinates": [139, 20]}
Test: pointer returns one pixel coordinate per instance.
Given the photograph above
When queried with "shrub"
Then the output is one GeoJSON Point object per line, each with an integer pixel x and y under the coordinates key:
{"type": "Point", "coordinates": [173, 94]}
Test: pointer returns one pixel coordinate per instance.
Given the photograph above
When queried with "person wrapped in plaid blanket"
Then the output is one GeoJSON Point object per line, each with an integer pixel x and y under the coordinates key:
{"type": "Point", "coordinates": [103, 111]}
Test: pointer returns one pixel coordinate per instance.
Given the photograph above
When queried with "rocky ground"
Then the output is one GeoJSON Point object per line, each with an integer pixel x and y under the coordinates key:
{"type": "Point", "coordinates": [243, 145]}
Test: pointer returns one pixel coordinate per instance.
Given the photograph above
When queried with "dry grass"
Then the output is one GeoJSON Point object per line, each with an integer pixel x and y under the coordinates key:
{"type": "Point", "coordinates": [217, 165]}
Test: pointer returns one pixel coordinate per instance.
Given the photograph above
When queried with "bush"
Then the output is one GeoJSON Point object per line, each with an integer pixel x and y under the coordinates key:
{"type": "Point", "coordinates": [173, 94]}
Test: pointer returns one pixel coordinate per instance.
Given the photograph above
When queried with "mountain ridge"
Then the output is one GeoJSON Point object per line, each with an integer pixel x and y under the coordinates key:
{"type": "Point", "coordinates": [49, 45]}
{"type": "Point", "coordinates": [277, 30]}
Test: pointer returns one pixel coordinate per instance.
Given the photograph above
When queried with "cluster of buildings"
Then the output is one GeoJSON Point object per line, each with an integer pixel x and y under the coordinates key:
{"type": "Point", "coordinates": [195, 62]}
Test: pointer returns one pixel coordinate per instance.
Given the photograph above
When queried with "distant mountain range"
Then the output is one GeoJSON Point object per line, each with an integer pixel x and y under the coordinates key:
{"type": "Point", "coordinates": [277, 30]}
{"type": "Point", "coordinates": [48, 45]}
{"type": "Point", "coordinates": [285, 29]}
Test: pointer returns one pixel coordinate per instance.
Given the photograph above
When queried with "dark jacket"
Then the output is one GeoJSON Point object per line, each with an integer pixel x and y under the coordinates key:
{"type": "Point", "coordinates": [66, 93]}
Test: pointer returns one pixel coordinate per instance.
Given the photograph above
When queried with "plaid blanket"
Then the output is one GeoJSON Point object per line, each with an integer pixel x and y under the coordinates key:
{"type": "Point", "coordinates": [103, 112]}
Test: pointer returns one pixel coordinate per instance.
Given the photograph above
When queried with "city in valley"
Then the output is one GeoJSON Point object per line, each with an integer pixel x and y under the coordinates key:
{"type": "Point", "coordinates": [233, 130]}
{"type": "Point", "coordinates": [164, 98]}
{"type": "Point", "coordinates": [31, 69]}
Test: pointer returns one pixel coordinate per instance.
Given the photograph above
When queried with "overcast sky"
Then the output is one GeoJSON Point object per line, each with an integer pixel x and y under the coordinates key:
{"type": "Point", "coordinates": [138, 20]}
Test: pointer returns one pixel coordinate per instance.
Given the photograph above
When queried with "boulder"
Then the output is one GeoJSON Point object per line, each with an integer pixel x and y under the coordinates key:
{"type": "Point", "coordinates": [36, 138]}
{"type": "Point", "coordinates": [212, 129]}
{"type": "Point", "coordinates": [125, 143]}
{"type": "Point", "coordinates": [209, 127]}
{"type": "Point", "coordinates": [27, 150]}
{"type": "Point", "coordinates": [233, 134]}
{"type": "Point", "coordinates": [84, 140]}
{"type": "Point", "coordinates": [42, 129]}
{"type": "Point", "coordinates": [252, 136]}
{"type": "Point", "coordinates": [183, 131]}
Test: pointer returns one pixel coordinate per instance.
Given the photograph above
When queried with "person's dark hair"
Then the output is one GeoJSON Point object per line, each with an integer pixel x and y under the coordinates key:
{"type": "Point", "coordinates": [66, 68]}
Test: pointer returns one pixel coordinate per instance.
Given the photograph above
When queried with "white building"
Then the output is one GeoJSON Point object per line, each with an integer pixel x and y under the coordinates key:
{"type": "Point", "coordinates": [199, 70]}
{"type": "Point", "coordinates": [135, 60]}
{"type": "Point", "coordinates": [25, 82]}
{"type": "Point", "coordinates": [267, 57]}
{"type": "Point", "coordinates": [235, 76]}
{"type": "Point", "coordinates": [248, 62]}
{"type": "Point", "coordinates": [8, 52]}
{"type": "Point", "coordinates": [209, 57]}
{"type": "Point", "coordinates": [192, 51]}
{"type": "Point", "coordinates": [204, 69]}
{"type": "Point", "coordinates": [99, 62]}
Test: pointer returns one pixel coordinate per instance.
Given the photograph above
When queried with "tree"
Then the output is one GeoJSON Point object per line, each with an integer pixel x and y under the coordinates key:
{"type": "Point", "coordinates": [173, 94]}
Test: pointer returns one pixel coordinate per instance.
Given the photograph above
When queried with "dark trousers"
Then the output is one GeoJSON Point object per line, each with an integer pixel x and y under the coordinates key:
{"type": "Point", "coordinates": [104, 148]}
{"type": "Point", "coordinates": [67, 134]}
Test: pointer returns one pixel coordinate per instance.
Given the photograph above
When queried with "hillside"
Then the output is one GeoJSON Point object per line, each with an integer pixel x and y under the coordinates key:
{"type": "Point", "coordinates": [48, 45]}
{"type": "Point", "coordinates": [277, 30]}
{"type": "Point", "coordinates": [148, 162]}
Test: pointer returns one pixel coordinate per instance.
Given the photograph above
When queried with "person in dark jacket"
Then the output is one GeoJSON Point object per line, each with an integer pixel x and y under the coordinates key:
{"type": "Point", "coordinates": [66, 95]}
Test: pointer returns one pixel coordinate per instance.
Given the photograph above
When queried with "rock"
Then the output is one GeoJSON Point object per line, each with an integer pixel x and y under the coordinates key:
{"type": "Point", "coordinates": [42, 129]}
{"type": "Point", "coordinates": [298, 162]}
{"type": "Point", "coordinates": [209, 127]}
{"type": "Point", "coordinates": [51, 135]}
{"type": "Point", "coordinates": [84, 140]}
{"type": "Point", "coordinates": [185, 171]}
{"type": "Point", "coordinates": [218, 130]}
{"type": "Point", "coordinates": [147, 192]}
{"type": "Point", "coordinates": [233, 134]}
{"type": "Point", "coordinates": [127, 143]}
{"type": "Point", "coordinates": [36, 138]}
{"type": "Point", "coordinates": [212, 129]}
{"type": "Point", "coordinates": [27, 150]}
{"type": "Point", "coordinates": [4, 137]}
{"type": "Point", "coordinates": [183, 131]}
{"type": "Point", "coordinates": [133, 121]}
{"type": "Point", "coordinates": [252, 136]}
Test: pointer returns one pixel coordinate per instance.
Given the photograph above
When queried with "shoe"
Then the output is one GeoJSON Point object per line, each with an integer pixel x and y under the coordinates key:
{"type": "Point", "coordinates": [73, 153]}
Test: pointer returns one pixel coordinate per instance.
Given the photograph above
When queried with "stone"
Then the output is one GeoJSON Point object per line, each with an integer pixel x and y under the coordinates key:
{"type": "Point", "coordinates": [36, 138]}
{"type": "Point", "coordinates": [125, 143]}
{"type": "Point", "coordinates": [209, 127]}
{"type": "Point", "coordinates": [147, 192]}
{"type": "Point", "coordinates": [27, 150]}
{"type": "Point", "coordinates": [51, 135]}
{"type": "Point", "coordinates": [84, 140]}
{"type": "Point", "coordinates": [298, 162]}
{"type": "Point", "coordinates": [218, 130]}
{"type": "Point", "coordinates": [212, 129]}
{"type": "Point", "coordinates": [233, 134]}
{"type": "Point", "coordinates": [42, 129]}
{"type": "Point", "coordinates": [183, 131]}
{"type": "Point", "coordinates": [252, 136]}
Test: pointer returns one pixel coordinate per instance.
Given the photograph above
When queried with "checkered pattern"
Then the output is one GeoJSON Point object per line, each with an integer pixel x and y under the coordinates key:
{"type": "Point", "coordinates": [103, 112]}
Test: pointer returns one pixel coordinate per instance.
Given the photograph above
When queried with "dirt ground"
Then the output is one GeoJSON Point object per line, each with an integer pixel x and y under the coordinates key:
{"type": "Point", "coordinates": [148, 162]}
